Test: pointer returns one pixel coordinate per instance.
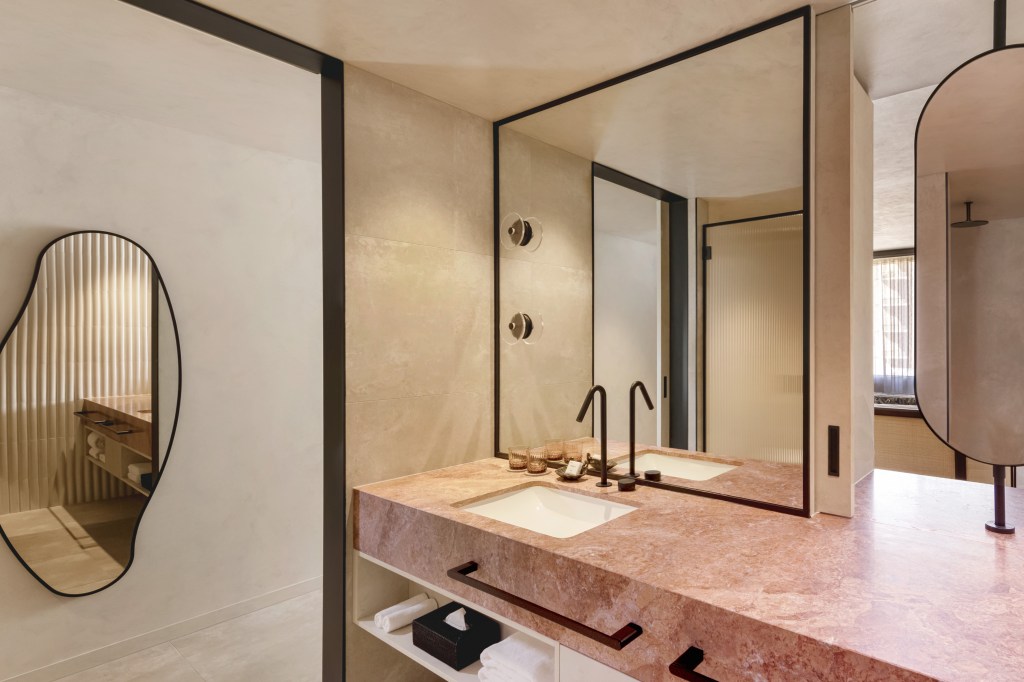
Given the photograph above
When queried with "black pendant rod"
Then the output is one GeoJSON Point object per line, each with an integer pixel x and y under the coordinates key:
{"type": "Point", "coordinates": [999, 25]}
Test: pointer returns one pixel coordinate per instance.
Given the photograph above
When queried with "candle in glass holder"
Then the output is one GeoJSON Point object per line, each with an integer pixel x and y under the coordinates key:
{"type": "Point", "coordinates": [555, 450]}
{"type": "Point", "coordinates": [573, 451]}
{"type": "Point", "coordinates": [538, 461]}
{"type": "Point", "coordinates": [518, 455]}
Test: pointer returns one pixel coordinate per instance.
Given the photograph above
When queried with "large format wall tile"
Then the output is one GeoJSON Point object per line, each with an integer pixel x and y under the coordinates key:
{"type": "Point", "coordinates": [543, 384]}
{"type": "Point", "coordinates": [417, 170]}
{"type": "Point", "coordinates": [419, 302]}
{"type": "Point", "coordinates": [418, 320]}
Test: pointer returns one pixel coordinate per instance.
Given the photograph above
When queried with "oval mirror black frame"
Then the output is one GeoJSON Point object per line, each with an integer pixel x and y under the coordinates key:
{"type": "Point", "coordinates": [162, 456]}
{"type": "Point", "coordinates": [935, 272]}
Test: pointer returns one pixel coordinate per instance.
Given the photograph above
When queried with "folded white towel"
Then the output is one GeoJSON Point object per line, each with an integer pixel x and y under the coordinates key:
{"type": "Point", "coordinates": [500, 675]}
{"type": "Point", "coordinates": [520, 656]}
{"type": "Point", "coordinates": [378, 619]}
{"type": "Point", "coordinates": [402, 618]}
{"type": "Point", "coordinates": [139, 469]}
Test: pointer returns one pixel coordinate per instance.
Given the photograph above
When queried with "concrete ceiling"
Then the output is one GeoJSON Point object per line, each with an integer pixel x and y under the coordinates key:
{"type": "Point", "coordinates": [501, 57]}
{"type": "Point", "coordinates": [903, 45]}
{"type": "Point", "coordinates": [895, 123]}
{"type": "Point", "coordinates": [110, 56]}
{"type": "Point", "coordinates": [726, 123]}
{"type": "Point", "coordinates": [902, 50]}
{"type": "Point", "coordinates": [626, 213]}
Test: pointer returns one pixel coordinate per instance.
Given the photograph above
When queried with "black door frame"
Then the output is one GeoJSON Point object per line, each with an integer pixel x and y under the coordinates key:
{"type": "Point", "coordinates": [673, 385]}
{"type": "Point", "coordinates": [332, 135]}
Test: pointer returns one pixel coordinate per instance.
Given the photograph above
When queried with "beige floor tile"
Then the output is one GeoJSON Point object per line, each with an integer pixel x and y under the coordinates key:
{"type": "Point", "coordinates": [161, 663]}
{"type": "Point", "coordinates": [281, 642]}
{"type": "Point", "coordinates": [29, 522]}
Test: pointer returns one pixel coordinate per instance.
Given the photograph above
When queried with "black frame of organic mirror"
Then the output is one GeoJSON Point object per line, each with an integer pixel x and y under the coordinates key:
{"type": "Point", "coordinates": [804, 14]}
{"type": "Point", "coordinates": [161, 458]}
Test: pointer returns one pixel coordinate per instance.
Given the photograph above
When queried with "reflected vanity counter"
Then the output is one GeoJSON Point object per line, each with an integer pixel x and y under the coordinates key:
{"type": "Point", "coordinates": [911, 589]}
{"type": "Point", "coordinates": [772, 482]}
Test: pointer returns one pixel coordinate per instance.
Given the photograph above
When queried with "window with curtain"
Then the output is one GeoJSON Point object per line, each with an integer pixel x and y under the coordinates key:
{"type": "Point", "coordinates": [894, 327]}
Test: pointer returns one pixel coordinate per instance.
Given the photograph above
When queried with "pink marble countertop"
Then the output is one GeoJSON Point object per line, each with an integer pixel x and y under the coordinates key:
{"type": "Point", "coordinates": [912, 588]}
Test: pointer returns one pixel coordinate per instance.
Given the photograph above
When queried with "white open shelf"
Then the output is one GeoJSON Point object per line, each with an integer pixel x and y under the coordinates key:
{"type": "Point", "coordinates": [401, 640]}
{"type": "Point", "coordinates": [379, 585]}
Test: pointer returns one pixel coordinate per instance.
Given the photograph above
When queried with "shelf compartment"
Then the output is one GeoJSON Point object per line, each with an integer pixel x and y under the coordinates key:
{"type": "Point", "coordinates": [378, 585]}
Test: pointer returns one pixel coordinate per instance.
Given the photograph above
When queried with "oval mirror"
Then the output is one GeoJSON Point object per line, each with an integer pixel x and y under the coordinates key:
{"type": "Point", "coordinates": [90, 386]}
{"type": "Point", "coordinates": [970, 246]}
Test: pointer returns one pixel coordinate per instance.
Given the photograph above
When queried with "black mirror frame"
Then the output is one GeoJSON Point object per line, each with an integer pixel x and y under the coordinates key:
{"type": "Point", "coordinates": [804, 14]}
{"type": "Point", "coordinates": [155, 371]}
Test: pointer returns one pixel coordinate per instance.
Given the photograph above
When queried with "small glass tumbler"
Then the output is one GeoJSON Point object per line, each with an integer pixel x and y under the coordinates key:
{"type": "Point", "coordinates": [538, 461]}
{"type": "Point", "coordinates": [590, 446]}
{"type": "Point", "coordinates": [573, 451]}
{"type": "Point", "coordinates": [555, 450]}
{"type": "Point", "coordinates": [518, 456]}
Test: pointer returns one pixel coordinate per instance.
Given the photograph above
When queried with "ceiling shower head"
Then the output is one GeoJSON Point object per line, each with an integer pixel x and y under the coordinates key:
{"type": "Point", "coordinates": [969, 222]}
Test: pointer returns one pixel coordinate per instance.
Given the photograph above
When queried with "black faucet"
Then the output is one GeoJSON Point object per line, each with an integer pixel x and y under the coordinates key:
{"type": "Point", "coordinates": [632, 422]}
{"type": "Point", "coordinates": [604, 429]}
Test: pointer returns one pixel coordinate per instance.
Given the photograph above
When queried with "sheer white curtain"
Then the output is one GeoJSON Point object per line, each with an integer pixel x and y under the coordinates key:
{"type": "Point", "coordinates": [894, 325]}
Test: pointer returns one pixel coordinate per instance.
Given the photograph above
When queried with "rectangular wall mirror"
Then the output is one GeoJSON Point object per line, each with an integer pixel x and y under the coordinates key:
{"type": "Point", "coordinates": [653, 228]}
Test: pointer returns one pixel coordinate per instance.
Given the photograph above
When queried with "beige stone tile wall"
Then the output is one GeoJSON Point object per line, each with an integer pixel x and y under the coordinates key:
{"type": "Point", "coordinates": [543, 385]}
{"type": "Point", "coordinates": [419, 298]}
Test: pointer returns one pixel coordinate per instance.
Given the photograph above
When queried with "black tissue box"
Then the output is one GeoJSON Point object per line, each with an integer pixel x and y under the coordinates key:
{"type": "Point", "coordinates": [453, 647]}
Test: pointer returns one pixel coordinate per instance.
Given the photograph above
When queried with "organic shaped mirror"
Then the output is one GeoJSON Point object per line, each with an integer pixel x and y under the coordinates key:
{"type": "Point", "coordinates": [970, 246]}
{"type": "Point", "coordinates": [674, 254]}
{"type": "Point", "coordinates": [89, 396]}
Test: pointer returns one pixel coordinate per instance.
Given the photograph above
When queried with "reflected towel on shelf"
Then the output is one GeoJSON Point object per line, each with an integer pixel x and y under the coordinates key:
{"type": "Point", "coordinates": [94, 440]}
{"type": "Point", "coordinates": [518, 659]}
{"type": "Point", "coordinates": [135, 471]}
{"type": "Point", "coordinates": [378, 618]}
{"type": "Point", "coordinates": [97, 453]}
{"type": "Point", "coordinates": [400, 619]}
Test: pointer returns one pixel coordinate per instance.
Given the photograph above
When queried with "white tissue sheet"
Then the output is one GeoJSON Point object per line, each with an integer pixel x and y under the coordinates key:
{"type": "Point", "coordinates": [457, 619]}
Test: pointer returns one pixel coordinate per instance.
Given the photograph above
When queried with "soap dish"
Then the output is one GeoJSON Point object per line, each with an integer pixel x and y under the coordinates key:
{"type": "Point", "coordinates": [569, 477]}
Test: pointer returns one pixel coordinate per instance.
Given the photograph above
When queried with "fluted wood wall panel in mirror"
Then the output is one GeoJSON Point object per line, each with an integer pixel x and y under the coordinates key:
{"type": "Point", "coordinates": [81, 412]}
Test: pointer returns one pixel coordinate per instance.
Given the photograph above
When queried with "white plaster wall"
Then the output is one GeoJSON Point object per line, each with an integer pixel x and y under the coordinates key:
{"type": "Point", "coordinates": [626, 328]}
{"type": "Point", "coordinates": [236, 234]}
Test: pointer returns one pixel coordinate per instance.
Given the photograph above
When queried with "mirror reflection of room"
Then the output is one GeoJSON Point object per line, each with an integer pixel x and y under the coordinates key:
{"type": "Point", "coordinates": [76, 414]}
{"type": "Point", "coordinates": [671, 267]}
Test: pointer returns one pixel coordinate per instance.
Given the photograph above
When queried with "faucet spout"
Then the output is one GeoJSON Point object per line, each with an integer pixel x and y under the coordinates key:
{"type": "Point", "coordinates": [598, 389]}
{"type": "Point", "coordinates": [632, 421]}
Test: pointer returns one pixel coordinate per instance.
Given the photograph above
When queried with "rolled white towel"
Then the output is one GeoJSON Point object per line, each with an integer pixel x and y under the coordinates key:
{"type": "Point", "coordinates": [378, 618]}
{"type": "Point", "coordinates": [531, 659]}
{"type": "Point", "coordinates": [95, 440]}
{"type": "Point", "coordinates": [394, 621]}
{"type": "Point", "coordinates": [95, 452]}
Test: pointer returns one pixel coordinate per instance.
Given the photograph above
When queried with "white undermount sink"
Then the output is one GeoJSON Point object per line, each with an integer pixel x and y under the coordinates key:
{"type": "Point", "coordinates": [549, 511]}
{"type": "Point", "coordinates": [679, 467]}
